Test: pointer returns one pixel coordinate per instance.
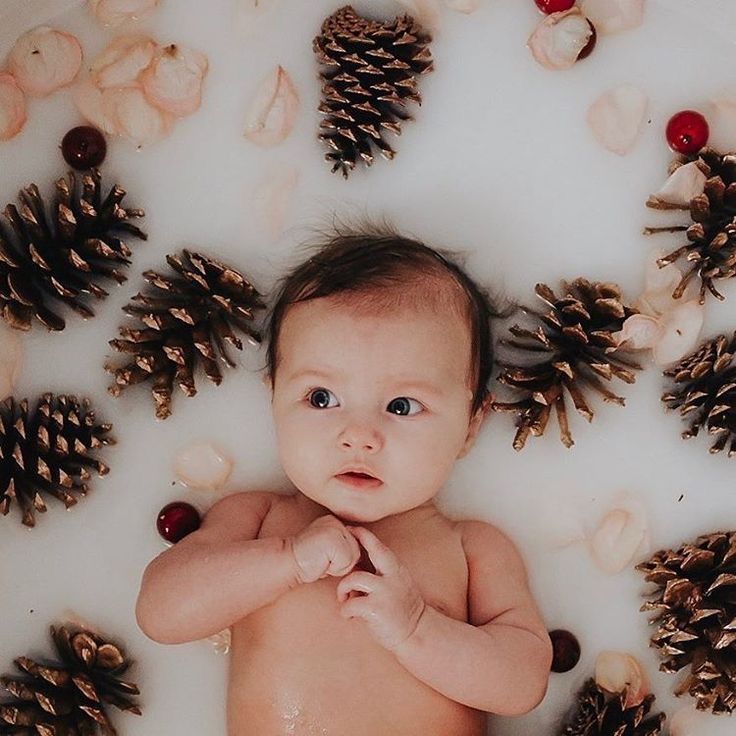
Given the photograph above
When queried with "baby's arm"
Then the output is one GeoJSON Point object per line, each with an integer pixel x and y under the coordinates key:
{"type": "Point", "coordinates": [498, 662]}
{"type": "Point", "coordinates": [216, 575]}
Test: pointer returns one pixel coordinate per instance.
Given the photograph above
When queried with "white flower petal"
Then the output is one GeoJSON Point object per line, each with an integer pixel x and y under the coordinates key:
{"type": "Point", "coordinates": [121, 63]}
{"type": "Point", "coordinates": [639, 332]}
{"type": "Point", "coordinates": [133, 117]}
{"type": "Point", "coordinates": [463, 6]}
{"type": "Point", "coordinates": [44, 60]}
{"type": "Point", "coordinates": [616, 117]}
{"type": "Point", "coordinates": [618, 537]}
{"type": "Point", "coordinates": [612, 16]}
{"type": "Point", "coordinates": [174, 80]}
{"type": "Point", "coordinates": [681, 328]}
{"type": "Point", "coordinates": [558, 40]}
{"type": "Point", "coordinates": [273, 110]}
{"type": "Point", "coordinates": [202, 465]}
{"type": "Point", "coordinates": [115, 12]}
{"type": "Point", "coordinates": [12, 107]}
{"type": "Point", "coordinates": [11, 359]}
{"type": "Point", "coordinates": [658, 279]}
{"type": "Point", "coordinates": [615, 671]}
{"type": "Point", "coordinates": [685, 183]}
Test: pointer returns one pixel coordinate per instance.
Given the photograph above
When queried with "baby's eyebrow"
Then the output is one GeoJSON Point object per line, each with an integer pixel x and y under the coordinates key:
{"type": "Point", "coordinates": [400, 384]}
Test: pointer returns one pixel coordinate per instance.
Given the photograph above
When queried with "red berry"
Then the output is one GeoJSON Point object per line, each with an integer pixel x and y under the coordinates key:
{"type": "Point", "coordinates": [176, 520]}
{"type": "Point", "coordinates": [588, 48]}
{"type": "Point", "coordinates": [554, 6]}
{"type": "Point", "coordinates": [687, 132]}
{"type": "Point", "coordinates": [84, 147]}
{"type": "Point", "coordinates": [566, 650]}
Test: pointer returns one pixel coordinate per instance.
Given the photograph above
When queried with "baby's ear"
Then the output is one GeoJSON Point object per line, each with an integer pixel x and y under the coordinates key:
{"type": "Point", "coordinates": [475, 424]}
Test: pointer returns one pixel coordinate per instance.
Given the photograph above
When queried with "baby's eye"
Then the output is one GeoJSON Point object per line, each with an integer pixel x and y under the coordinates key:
{"type": "Point", "coordinates": [319, 398]}
{"type": "Point", "coordinates": [402, 406]}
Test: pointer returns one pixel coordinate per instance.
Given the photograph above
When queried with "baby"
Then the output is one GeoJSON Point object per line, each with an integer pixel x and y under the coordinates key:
{"type": "Point", "coordinates": [356, 607]}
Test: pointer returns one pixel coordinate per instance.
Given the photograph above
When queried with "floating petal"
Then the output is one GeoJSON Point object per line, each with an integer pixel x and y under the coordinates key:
{"type": "Point", "coordinates": [115, 12]}
{"type": "Point", "coordinates": [273, 110]}
{"type": "Point", "coordinates": [44, 60]}
{"type": "Point", "coordinates": [558, 40]}
{"type": "Point", "coordinates": [202, 465]}
{"type": "Point", "coordinates": [122, 62]}
{"type": "Point", "coordinates": [173, 82]}
{"type": "Point", "coordinates": [616, 118]}
{"type": "Point", "coordinates": [12, 107]}
{"type": "Point", "coordinates": [615, 671]}
{"type": "Point", "coordinates": [612, 16]}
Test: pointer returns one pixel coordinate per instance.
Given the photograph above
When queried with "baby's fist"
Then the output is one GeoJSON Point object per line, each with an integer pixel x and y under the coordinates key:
{"type": "Point", "coordinates": [324, 548]}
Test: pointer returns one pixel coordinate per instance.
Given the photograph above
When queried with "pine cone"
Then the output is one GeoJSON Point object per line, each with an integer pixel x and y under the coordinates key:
{"type": "Point", "coordinates": [696, 617]}
{"type": "Point", "coordinates": [47, 451]}
{"type": "Point", "coordinates": [369, 74]}
{"type": "Point", "coordinates": [575, 342]}
{"type": "Point", "coordinates": [62, 255]}
{"type": "Point", "coordinates": [712, 233]}
{"type": "Point", "coordinates": [708, 388]}
{"type": "Point", "coordinates": [68, 698]}
{"type": "Point", "coordinates": [603, 714]}
{"type": "Point", "coordinates": [185, 320]}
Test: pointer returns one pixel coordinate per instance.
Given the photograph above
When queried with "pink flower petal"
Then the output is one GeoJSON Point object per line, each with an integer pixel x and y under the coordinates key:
{"type": "Point", "coordinates": [12, 107]}
{"type": "Point", "coordinates": [115, 12]}
{"type": "Point", "coordinates": [273, 110]}
{"type": "Point", "coordinates": [681, 328]}
{"type": "Point", "coordinates": [427, 12]}
{"type": "Point", "coordinates": [612, 16]}
{"type": "Point", "coordinates": [273, 196]}
{"type": "Point", "coordinates": [202, 465]}
{"type": "Point", "coordinates": [133, 117]}
{"type": "Point", "coordinates": [558, 40]}
{"type": "Point", "coordinates": [11, 359]}
{"type": "Point", "coordinates": [615, 671]}
{"type": "Point", "coordinates": [660, 280]}
{"type": "Point", "coordinates": [616, 117]}
{"type": "Point", "coordinates": [618, 537]}
{"type": "Point", "coordinates": [173, 82]}
{"type": "Point", "coordinates": [121, 63]}
{"type": "Point", "coordinates": [685, 183]}
{"type": "Point", "coordinates": [640, 332]}
{"type": "Point", "coordinates": [463, 6]}
{"type": "Point", "coordinates": [44, 60]}
{"type": "Point", "coordinates": [88, 99]}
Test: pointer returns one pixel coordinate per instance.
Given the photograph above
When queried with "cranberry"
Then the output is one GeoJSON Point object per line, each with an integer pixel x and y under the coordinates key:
{"type": "Point", "coordinates": [588, 48]}
{"type": "Point", "coordinates": [554, 6]}
{"type": "Point", "coordinates": [566, 650]}
{"type": "Point", "coordinates": [84, 147]}
{"type": "Point", "coordinates": [687, 132]}
{"type": "Point", "coordinates": [176, 520]}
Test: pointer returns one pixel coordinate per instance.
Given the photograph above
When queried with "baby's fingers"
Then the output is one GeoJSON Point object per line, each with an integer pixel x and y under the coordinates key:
{"type": "Point", "coordinates": [361, 582]}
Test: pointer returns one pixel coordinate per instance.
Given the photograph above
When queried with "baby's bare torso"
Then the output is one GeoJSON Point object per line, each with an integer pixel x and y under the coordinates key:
{"type": "Point", "coordinates": [298, 668]}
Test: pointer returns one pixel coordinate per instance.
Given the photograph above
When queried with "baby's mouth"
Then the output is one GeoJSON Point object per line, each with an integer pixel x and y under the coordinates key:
{"type": "Point", "coordinates": [359, 479]}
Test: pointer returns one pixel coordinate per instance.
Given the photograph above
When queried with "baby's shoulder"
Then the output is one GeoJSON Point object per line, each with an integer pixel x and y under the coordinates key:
{"type": "Point", "coordinates": [483, 541]}
{"type": "Point", "coordinates": [239, 515]}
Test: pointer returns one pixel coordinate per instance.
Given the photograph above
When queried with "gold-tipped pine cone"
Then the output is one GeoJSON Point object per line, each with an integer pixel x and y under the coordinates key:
{"type": "Point", "coordinates": [569, 351]}
{"type": "Point", "coordinates": [704, 392]}
{"type": "Point", "coordinates": [695, 615]}
{"type": "Point", "coordinates": [601, 713]}
{"type": "Point", "coordinates": [69, 697]}
{"type": "Point", "coordinates": [48, 451]}
{"type": "Point", "coordinates": [369, 73]}
{"type": "Point", "coordinates": [711, 233]}
{"type": "Point", "coordinates": [56, 256]}
{"type": "Point", "coordinates": [184, 319]}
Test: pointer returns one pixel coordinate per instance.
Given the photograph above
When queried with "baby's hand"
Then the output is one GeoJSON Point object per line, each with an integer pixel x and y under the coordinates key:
{"type": "Point", "coordinates": [392, 604]}
{"type": "Point", "coordinates": [325, 547]}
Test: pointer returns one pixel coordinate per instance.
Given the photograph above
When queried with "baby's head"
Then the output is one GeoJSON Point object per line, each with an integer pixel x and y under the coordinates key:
{"type": "Point", "coordinates": [379, 355]}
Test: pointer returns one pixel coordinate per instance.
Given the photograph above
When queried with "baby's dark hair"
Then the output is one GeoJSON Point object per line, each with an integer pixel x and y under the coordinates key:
{"type": "Point", "coordinates": [360, 264]}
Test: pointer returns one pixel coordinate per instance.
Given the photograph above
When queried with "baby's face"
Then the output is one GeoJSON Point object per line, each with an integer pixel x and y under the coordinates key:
{"type": "Point", "coordinates": [382, 395]}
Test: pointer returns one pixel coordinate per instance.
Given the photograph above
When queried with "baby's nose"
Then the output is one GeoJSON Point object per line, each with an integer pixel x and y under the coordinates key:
{"type": "Point", "coordinates": [361, 437]}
